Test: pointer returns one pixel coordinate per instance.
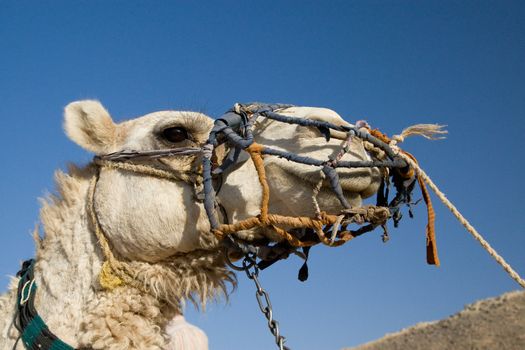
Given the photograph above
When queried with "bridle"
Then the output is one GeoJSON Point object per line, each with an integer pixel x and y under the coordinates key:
{"type": "Point", "coordinates": [235, 129]}
{"type": "Point", "coordinates": [115, 272]}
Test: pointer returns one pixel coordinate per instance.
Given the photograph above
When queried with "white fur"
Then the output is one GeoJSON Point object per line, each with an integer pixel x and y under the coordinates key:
{"type": "Point", "coordinates": [185, 336]}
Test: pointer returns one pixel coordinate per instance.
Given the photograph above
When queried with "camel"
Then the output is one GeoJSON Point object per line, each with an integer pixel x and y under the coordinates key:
{"type": "Point", "coordinates": [157, 228]}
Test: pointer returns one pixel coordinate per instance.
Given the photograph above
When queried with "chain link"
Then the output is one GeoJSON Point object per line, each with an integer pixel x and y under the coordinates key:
{"type": "Point", "coordinates": [251, 268]}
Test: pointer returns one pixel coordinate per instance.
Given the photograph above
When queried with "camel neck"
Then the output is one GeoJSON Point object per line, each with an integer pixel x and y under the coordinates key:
{"type": "Point", "coordinates": [68, 262]}
{"type": "Point", "coordinates": [67, 257]}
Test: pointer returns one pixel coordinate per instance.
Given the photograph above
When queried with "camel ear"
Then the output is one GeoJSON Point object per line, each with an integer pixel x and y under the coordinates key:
{"type": "Point", "coordinates": [88, 124]}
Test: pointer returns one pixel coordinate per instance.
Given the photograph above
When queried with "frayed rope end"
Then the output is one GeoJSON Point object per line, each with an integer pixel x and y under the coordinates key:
{"type": "Point", "coordinates": [428, 131]}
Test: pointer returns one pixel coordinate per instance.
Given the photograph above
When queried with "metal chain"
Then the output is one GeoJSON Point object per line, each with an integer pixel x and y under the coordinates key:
{"type": "Point", "coordinates": [251, 268]}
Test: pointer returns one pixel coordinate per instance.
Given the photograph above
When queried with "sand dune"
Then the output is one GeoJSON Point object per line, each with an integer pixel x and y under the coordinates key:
{"type": "Point", "coordinates": [490, 324]}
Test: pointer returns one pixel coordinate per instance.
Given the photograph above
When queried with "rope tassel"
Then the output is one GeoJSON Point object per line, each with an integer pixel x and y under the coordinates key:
{"type": "Point", "coordinates": [428, 131]}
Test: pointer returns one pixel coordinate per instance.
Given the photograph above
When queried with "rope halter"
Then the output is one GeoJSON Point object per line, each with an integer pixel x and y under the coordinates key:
{"type": "Point", "coordinates": [235, 129]}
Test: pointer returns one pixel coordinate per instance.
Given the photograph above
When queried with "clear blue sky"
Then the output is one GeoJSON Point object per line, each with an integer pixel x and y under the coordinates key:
{"type": "Point", "coordinates": [394, 63]}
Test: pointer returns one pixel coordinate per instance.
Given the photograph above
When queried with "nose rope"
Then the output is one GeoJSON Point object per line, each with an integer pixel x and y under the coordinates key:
{"type": "Point", "coordinates": [146, 170]}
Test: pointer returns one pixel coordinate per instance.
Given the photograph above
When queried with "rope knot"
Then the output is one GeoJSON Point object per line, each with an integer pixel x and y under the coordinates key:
{"type": "Point", "coordinates": [393, 145]}
{"type": "Point", "coordinates": [332, 162]}
{"type": "Point", "coordinates": [255, 148]}
{"type": "Point", "coordinates": [362, 124]}
{"type": "Point", "coordinates": [398, 138]}
{"type": "Point", "coordinates": [207, 150]}
{"type": "Point", "coordinates": [237, 108]}
{"type": "Point", "coordinates": [108, 279]}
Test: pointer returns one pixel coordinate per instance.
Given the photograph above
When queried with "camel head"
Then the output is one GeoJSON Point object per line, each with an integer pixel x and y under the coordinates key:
{"type": "Point", "coordinates": [145, 218]}
{"type": "Point", "coordinates": [148, 220]}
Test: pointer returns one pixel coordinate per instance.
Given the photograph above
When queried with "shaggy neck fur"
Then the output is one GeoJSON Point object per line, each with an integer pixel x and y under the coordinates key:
{"type": "Point", "coordinates": [70, 299]}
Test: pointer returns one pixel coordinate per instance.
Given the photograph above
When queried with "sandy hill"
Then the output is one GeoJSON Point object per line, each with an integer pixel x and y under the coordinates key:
{"type": "Point", "coordinates": [491, 324]}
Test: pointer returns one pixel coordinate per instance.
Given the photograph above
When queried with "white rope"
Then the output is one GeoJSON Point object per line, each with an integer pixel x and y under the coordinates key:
{"type": "Point", "coordinates": [515, 276]}
{"type": "Point", "coordinates": [25, 298]}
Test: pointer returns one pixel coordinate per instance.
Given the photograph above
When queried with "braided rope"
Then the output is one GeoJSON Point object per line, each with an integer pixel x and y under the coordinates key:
{"type": "Point", "coordinates": [143, 169]}
{"type": "Point", "coordinates": [113, 273]}
{"type": "Point", "coordinates": [499, 259]}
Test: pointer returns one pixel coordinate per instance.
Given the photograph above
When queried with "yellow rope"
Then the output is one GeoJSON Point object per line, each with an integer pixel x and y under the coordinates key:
{"type": "Point", "coordinates": [515, 276]}
{"type": "Point", "coordinates": [109, 275]}
{"type": "Point", "coordinates": [114, 272]}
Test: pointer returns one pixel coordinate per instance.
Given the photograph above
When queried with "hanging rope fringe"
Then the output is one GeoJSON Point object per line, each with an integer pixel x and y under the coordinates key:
{"type": "Point", "coordinates": [515, 276]}
{"type": "Point", "coordinates": [428, 131]}
{"type": "Point", "coordinates": [432, 254]}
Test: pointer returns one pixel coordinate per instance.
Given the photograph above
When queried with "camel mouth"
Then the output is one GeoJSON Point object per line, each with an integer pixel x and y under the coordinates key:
{"type": "Point", "coordinates": [363, 181]}
{"type": "Point", "coordinates": [352, 181]}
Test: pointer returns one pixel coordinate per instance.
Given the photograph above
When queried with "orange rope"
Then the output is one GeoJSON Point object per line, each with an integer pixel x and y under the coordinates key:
{"type": "Point", "coordinates": [255, 152]}
{"type": "Point", "coordinates": [432, 254]}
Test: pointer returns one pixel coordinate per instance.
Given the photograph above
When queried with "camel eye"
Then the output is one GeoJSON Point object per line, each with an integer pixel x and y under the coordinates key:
{"type": "Point", "coordinates": [175, 134]}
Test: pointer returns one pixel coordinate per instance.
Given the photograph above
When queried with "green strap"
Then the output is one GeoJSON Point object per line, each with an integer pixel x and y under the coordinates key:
{"type": "Point", "coordinates": [33, 337]}
{"type": "Point", "coordinates": [34, 332]}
